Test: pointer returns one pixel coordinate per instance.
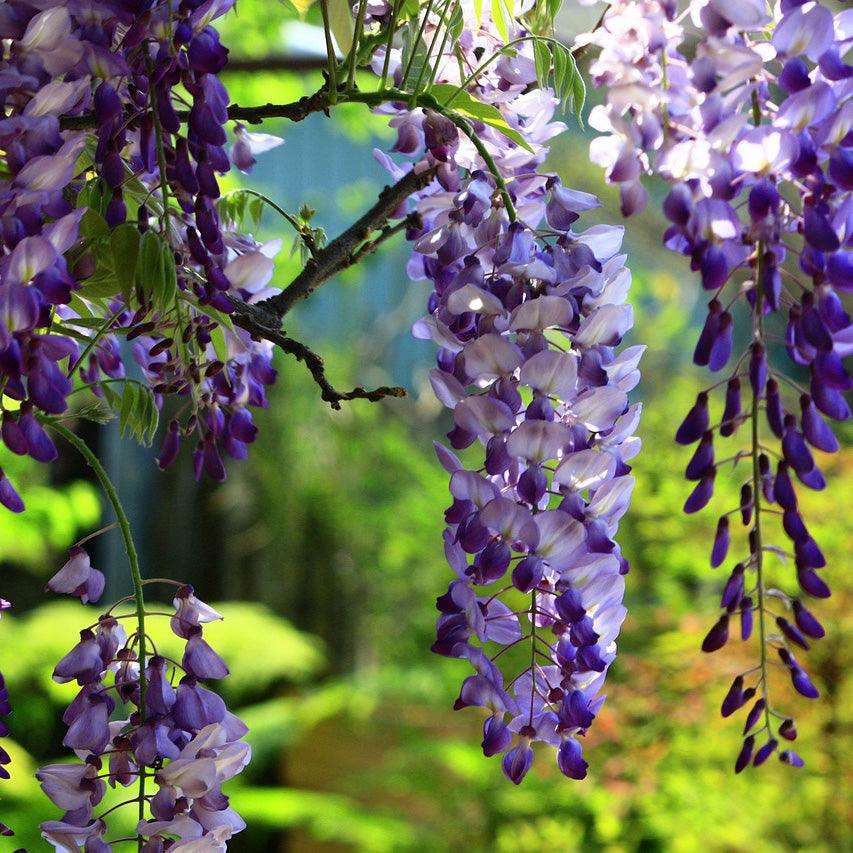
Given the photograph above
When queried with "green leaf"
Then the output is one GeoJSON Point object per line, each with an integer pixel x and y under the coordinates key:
{"type": "Point", "coordinates": [124, 242]}
{"type": "Point", "coordinates": [578, 90]}
{"type": "Point", "coordinates": [503, 14]}
{"type": "Point", "coordinates": [341, 23]}
{"type": "Point", "coordinates": [456, 22]}
{"type": "Point", "coordinates": [478, 10]}
{"type": "Point", "coordinates": [562, 59]}
{"type": "Point", "coordinates": [150, 266]}
{"type": "Point", "coordinates": [465, 105]}
{"type": "Point", "coordinates": [97, 412]}
{"type": "Point", "coordinates": [168, 282]}
{"type": "Point", "coordinates": [93, 225]}
{"type": "Point", "coordinates": [542, 61]}
{"type": "Point", "coordinates": [138, 414]}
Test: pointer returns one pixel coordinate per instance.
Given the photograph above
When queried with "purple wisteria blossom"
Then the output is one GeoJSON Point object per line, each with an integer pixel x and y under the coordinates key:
{"type": "Point", "coordinates": [527, 310]}
{"type": "Point", "coordinates": [754, 137]}
{"type": "Point", "coordinates": [171, 728]}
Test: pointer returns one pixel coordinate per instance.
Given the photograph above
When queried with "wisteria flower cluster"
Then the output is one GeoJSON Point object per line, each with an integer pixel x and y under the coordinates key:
{"type": "Point", "coordinates": [114, 250]}
{"type": "Point", "coordinates": [754, 135]}
{"type": "Point", "coordinates": [126, 728]}
{"type": "Point", "coordinates": [134, 204]}
{"type": "Point", "coordinates": [526, 319]}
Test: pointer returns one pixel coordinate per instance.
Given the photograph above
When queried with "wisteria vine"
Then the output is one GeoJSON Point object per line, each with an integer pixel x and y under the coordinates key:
{"type": "Point", "coordinates": [753, 133]}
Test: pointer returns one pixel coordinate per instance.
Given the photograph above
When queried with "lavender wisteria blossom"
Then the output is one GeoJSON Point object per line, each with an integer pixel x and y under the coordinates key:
{"type": "Point", "coordinates": [125, 730]}
{"type": "Point", "coordinates": [754, 135]}
{"type": "Point", "coordinates": [135, 204]}
{"type": "Point", "coordinates": [526, 314]}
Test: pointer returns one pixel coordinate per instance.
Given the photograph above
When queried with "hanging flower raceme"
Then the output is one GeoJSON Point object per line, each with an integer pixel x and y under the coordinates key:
{"type": "Point", "coordinates": [134, 720]}
{"type": "Point", "coordinates": [153, 231]}
{"type": "Point", "coordinates": [755, 139]}
{"type": "Point", "coordinates": [527, 321]}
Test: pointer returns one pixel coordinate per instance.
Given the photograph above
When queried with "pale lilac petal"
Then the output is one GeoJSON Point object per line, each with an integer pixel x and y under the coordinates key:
{"type": "Point", "coordinates": [469, 297]}
{"type": "Point", "coordinates": [560, 538]}
{"type": "Point", "coordinates": [586, 469]}
{"type": "Point", "coordinates": [606, 326]}
{"type": "Point", "coordinates": [537, 441]}
{"type": "Point", "coordinates": [483, 415]}
{"type": "Point", "coordinates": [552, 373]}
{"type": "Point", "coordinates": [491, 356]}
{"type": "Point", "coordinates": [599, 409]}
{"type": "Point", "coordinates": [543, 312]}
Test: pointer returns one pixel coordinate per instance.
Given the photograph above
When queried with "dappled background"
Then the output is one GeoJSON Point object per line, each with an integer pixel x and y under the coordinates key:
{"type": "Point", "coordinates": [324, 550]}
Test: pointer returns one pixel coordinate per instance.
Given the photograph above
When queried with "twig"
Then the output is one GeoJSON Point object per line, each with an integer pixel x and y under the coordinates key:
{"type": "Point", "coordinates": [347, 248]}
{"type": "Point", "coordinates": [261, 324]}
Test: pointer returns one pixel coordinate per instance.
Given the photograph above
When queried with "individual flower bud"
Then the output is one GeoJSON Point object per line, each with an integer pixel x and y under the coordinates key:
{"type": "Point", "coordinates": [90, 730]}
{"type": "Point", "coordinates": [788, 729]}
{"type": "Point", "coordinates": [746, 503]}
{"type": "Point", "coordinates": [806, 621]}
{"type": "Point", "coordinates": [733, 591]}
{"type": "Point", "coordinates": [721, 349]}
{"type": "Point", "coordinates": [812, 584]}
{"type": "Point", "coordinates": [441, 136]}
{"type": "Point", "coordinates": [775, 410]}
{"type": "Point", "coordinates": [783, 488]}
{"type": "Point", "coordinates": [764, 752]}
{"type": "Point", "coordinates": [714, 267]}
{"type": "Point", "coordinates": [757, 369]}
{"type": "Point", "coordinates": [78, 578]}
{"type": "Point", "coordinates": [570, 759]}
{"type": "Point", "coordinates": [518, 761]}
{"type": "Point", "coordinates": [803, 684]}
{"type": "Point", "coordinates": [190, 611]}
{"type": "Point", "coordinates": [721, 542]}
{"type": "Point", "coordinates": [496, 735]}
{"type": "Point", "coordinates": [791, 758]}
{"type": "Point", "coordinates": [732, 407]}
{"type": "Point", "coordinates": [718, 635]}
{"type": "Point", "coordinates": [746, 618]}
{"type": "Point", "coordinates": [734, 698]}
{"type": "Point", "coordinates": [199, 660]}
{"type": "Point", "coordinates": [794, 448]}
{"type": "Point", "coordinates": [701, 494]}
{"type": "Point", "coordinates": [815, 428]}
{"type": "Point", "coordinates": [702, 461]}
{"type": "Point", "coordinates": [196, 707]}
{"type": "Point", "coordinates": [83, 663]}
{"type": "Point", "coordinates": [792, 633]}
{"type": "Point", "coordinates": [745, 754]}
{"type": "Point", "coordinates": [171, 446]}
{"type": "Point", "coordinates": [491, 563]}
{"type": "Point", "coordinates": [696, 423]}
{"type": "Point", "coordinates": [159, 695]}
{"type": "Point", "coordinates": [754, 715]}
{"type": "Point", "coordinates": [527, 573]}
{"type": "Point", "coordinates": [708, 335]}
{"type": "Point", "coordinates": [8, 496]}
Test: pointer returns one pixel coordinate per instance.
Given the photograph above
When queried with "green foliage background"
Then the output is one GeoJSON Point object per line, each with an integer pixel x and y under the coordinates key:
{"type": "Point", "coordinates": [332, 561]}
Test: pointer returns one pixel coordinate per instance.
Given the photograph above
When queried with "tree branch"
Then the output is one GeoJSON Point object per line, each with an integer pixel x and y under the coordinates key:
{"type": "Point", "coordinates": [275, 62]}
{"type": "Point", "coordinates": [261, 324]}
{"type": "Point", "coordinates": [349, 246]}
